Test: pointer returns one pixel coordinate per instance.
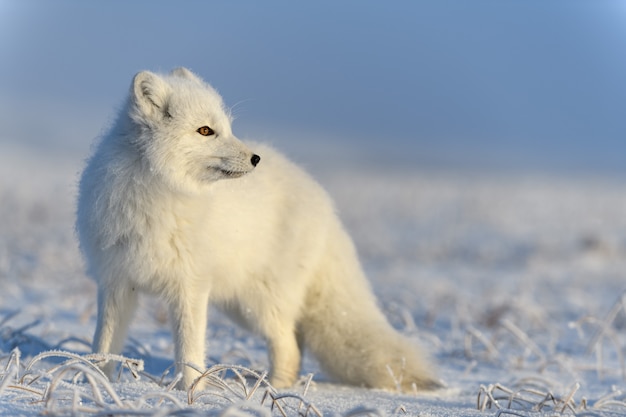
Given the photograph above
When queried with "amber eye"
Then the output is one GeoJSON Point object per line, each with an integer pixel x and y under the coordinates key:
{"type": "Point", "coordinates": [205, 131]}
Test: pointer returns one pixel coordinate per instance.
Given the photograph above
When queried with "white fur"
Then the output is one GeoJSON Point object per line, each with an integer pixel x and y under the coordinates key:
{"type": "Point", "coordinates": [165, 210]}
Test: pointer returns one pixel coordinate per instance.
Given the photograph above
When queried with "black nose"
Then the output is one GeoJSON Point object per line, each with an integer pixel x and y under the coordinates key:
{"type": "Point", "coordinates": [255, 159]}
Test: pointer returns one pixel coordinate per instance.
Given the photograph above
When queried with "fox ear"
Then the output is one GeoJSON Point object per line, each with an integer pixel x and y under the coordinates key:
{"type": "Point", "coordinates": [150, 92]}
{"type": "Point", "coordinates": [183, 72]}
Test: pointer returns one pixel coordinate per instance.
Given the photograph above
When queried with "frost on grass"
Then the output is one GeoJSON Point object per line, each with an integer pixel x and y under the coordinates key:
{"type": "Point", "coordinates": [76, 386]}
{"type": "Point", "coordinates": [535, 395]}
{"type": "Point", "coordinates": [56, 382]}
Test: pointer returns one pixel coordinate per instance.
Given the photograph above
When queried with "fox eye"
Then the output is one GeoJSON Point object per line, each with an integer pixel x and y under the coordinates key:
{"type": "Point", "coordinates": [205, 131]}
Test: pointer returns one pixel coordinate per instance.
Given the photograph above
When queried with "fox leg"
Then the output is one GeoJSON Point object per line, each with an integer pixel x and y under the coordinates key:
{"type": "Point", "coordinates": [116, 307]}
{"type": "Point", "coordinates": [284, 354]}
{"type": "Point", "coordinates": [189, 320]}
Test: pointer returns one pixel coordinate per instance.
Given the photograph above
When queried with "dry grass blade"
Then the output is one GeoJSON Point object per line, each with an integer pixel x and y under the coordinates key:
{"type": "Point", "coordinates": [487, 399]}
{"type": "Point", "coordinates": [307, 405]}
{"type": "Point", "coordinates": [13, 364]}
{"type": "Point", "coordinates": [605, 330]}
{"type": "Point", "coordinates": [214, 377]}
{"type": "Point", "coordinates": [523, 338]}
{"type": "Point", "coordinates": [537, 400]}
{"type": "Point", "coordinates": [256, 386]}
{"type": "Point", "coordinates": [6, 380]}
{"type": "Point", "coordinates": [568, 402]}
{"type": "Point", "coordinates": [305, 389]}
{"type": "Point", "coordinates": [95, 379]}
{"type": "Point", "coordinates": [58, 353]}
{"type": "Point", "coordinates": [620, 304]}
{"type": "Point", "coordinates": [9, 378]}
{"type": "Point", "coordinates": [473, 333]}
{"type": "Point", "coordinates": [269, 393]}
{"type": "Point", "coordinates": [610, 397]}
{"type": "Point", "coordinates": [8, 316]}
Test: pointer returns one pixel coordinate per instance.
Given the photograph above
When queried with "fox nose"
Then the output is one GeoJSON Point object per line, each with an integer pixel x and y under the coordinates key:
{"type": "Point", "coordinates": [255, 159]}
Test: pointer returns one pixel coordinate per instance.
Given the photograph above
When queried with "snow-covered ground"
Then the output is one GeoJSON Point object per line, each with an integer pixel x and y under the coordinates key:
{"type": "Point", "coordinates": [514, 284]}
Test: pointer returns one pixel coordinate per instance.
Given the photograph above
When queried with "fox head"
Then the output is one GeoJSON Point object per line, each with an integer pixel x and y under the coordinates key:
{"type": "Point", "coordinates": [185, 131]}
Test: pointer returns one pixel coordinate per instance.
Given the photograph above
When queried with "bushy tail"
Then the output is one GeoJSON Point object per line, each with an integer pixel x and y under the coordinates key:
{"type": "Point", "coordinates": [344, 328]}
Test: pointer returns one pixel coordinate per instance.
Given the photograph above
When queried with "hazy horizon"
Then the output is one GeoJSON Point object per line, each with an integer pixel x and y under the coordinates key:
{"type": "Point", "coordinates": [537, 86]}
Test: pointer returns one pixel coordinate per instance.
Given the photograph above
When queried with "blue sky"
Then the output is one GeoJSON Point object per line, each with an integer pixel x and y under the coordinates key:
{"type": "Point", "coordinates": [535, 85]}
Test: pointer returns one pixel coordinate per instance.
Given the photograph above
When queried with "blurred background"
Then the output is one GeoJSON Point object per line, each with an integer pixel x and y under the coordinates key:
{"type": "Point", "coordinates": [482, 85]}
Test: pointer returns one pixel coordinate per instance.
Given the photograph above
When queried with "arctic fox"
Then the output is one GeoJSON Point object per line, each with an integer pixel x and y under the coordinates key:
{"type": "Point", "coordinates": [173, 204]}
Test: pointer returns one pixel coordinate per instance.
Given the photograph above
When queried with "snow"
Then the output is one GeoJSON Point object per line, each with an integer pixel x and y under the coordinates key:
{"type": "Point", "coordinates": [514, 284]}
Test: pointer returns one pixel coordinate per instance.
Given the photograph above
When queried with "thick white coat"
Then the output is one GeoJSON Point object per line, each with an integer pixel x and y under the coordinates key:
{"type": "Point", "coordinates": [165, 210]}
